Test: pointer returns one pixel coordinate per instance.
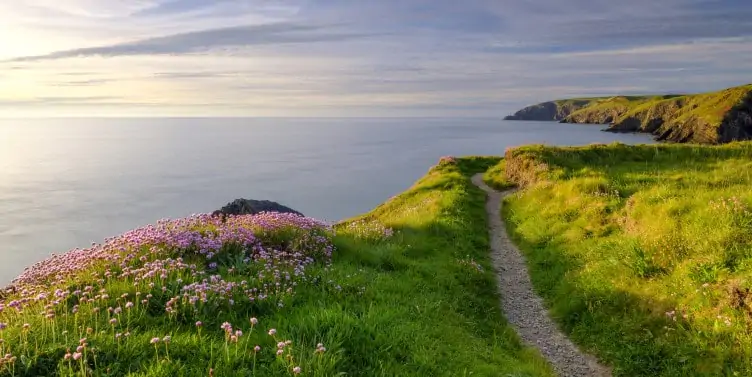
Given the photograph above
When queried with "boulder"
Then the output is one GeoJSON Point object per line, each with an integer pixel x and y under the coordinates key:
{"type": "Point", "coordinates": [252, 207]}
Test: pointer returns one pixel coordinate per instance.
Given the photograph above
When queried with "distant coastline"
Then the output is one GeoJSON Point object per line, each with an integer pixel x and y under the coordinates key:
{"type": "Point", "coordinates": [708, 118]}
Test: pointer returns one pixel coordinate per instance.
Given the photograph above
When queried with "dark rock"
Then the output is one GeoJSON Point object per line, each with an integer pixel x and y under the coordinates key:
{"type": "Point", "coordinates": [737, 124]}
{"type": "Point", "coordinates": [548, 111]}
{"type": "Point", "coordinates": [252, 207]}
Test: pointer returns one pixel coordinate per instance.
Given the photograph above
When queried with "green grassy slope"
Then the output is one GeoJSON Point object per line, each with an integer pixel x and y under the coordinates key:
{"type": "Point", "coordinates": [707, 118]}
{"type": "Point", "coordinates": [606, 110]}
{"type": "Point", "coordinates": [643, 253]}
{"type": "Point", "coordinates": [409, 291]}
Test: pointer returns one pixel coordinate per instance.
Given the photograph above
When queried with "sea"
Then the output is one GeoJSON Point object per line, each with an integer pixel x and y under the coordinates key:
{"type": "Point", "coordinates": [65, 183]}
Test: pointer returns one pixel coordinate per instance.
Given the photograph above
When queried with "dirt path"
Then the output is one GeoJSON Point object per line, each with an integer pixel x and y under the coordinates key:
{"type": "Point", "coordinates": [522, 307]}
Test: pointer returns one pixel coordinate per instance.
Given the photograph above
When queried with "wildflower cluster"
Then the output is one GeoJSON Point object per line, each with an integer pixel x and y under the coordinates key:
{"type": "Point", "coordinates": [740, 212]}
{"type": "Point", "coordinates": [184, 269]}
{"type": "Point", "coordinates": [472, 263]}
{"type": "Point", "coordinates": [371, 230]}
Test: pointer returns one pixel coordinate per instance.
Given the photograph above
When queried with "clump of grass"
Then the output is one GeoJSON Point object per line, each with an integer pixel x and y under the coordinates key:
{"type": "Point", "coordinates": [496, 177]}
{"type": "Point", "coordinates": [643, 253]}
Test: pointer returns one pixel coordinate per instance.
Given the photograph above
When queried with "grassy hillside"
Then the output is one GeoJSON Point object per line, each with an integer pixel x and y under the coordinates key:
{"type": "Point", "coordinates": [700, 118]}
{"type": "Point", "coordinates": [606, 110]}
{"type": "Point", "coordinates": [643, 253]}
{"type": "Point", "coordinates": [707, 118]}
{"type": "Point", "coordinates": [552, 110]}
{"type": "Point", "coordinates": [405, 290]}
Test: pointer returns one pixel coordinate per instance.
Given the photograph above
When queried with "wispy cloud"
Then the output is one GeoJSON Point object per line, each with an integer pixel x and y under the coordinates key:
{"type": "Point", "coordinates": [342, 57]}
{"type": "Point", "coordinates": [199, 41]}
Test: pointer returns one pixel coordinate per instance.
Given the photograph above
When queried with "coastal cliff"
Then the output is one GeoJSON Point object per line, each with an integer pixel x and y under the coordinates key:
{"type": "Point", "coordinates": [707, 118]}
{"type": "Point", "coordinates": [550, 111]}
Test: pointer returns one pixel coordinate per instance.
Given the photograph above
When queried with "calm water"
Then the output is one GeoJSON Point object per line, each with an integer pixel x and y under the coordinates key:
{"type": "Point", "coordinates": [67, 183]}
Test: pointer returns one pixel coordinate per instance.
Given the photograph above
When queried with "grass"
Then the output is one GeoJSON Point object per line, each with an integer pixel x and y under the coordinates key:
{"type": "Point", "coordinates": [705, 118]}
{"type": "Point", "coordinates": [408, 291]}
{"type": "Point", "coordinates": [495, 177]}
{"type": "Point", "coordinates": [642, 253]}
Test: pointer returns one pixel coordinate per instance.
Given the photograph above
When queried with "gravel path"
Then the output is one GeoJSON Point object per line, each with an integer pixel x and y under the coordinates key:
{"type": "Point", "coordinates": [522, 307]}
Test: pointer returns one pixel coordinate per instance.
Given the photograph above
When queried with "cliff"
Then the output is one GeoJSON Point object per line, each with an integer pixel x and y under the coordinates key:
{"type": "Point", "coordinates": [707, 118]}
{"type": "Point", "coordinates": [552, 110]}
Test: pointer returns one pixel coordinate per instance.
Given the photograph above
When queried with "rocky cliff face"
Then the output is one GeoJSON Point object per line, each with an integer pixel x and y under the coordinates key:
{"type": "Point", "coordinates": [737, 124]}
{"type": "Point", "coordinates": [710, 118]}
{"type": "Point", "coordinates": [604, 116]}
{"type": "Point", "coordinates": [549, 111]}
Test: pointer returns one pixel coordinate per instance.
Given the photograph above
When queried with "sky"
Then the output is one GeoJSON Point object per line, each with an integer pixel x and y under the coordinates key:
{"type": "Point", "coordinates": [351, 58]}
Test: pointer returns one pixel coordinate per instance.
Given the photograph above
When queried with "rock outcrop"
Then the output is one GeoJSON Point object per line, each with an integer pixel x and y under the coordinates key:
{"type": "Point", "coordinates": [550, 111]}
{"type": "Point", "coordinates": [252, 207]}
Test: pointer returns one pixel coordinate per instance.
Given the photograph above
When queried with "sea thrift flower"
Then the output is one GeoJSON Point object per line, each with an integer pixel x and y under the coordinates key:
{"type": "Point", "coordinates": [254, 321]}
{"type": "Point", "coordinates": [167, 339]}
{"type": "Point", "coordinates": [256, 349]}
{"type": "Point", "coordinates": [77, 355]}
{"type": "Point", "coordinates": [296, 370]}
{"type": "Point", "coordinates": [227, 327]}
{"type": "Point", "coordinates": [272, 332]}
{"type": "Point", "coordinates": [154, 340]}
{"type": "Point", "coordinates": [199, 324]}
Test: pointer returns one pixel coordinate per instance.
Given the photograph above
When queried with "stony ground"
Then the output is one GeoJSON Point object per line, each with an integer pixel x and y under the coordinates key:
{"type": "Point", "coordinates": [523, 307]}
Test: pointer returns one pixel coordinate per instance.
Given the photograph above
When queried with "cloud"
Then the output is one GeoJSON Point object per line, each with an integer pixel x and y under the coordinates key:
{"type": "Point", "coordinates": [280, 33]}
{"type": "Point", "coordinates": [332, 57]}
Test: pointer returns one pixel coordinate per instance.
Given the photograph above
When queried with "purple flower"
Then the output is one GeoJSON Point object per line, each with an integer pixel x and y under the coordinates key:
{"type": "Point", "coordinates": [272, 332]}
{"type": "Point", "coordinates": [296, 370]}
{"type": "Point", "coordinates": [77, 355]}
{"type": "Point", "coordinates": [227, 327]}
{"type": "Point", "coordinates": [254, 321]}
{"type": "Point", "coordinates": [256, 349]}
{"type": "Point", "coordinates": [199, 324]}
{"type": "Point", "coordinates": [154, 340]}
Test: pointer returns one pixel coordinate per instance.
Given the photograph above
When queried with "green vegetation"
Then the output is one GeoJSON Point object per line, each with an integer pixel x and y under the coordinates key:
{"type": "Point", "coordinates": [408, 291]}
{"type": "Point", "coordinates": [701, 118]}
{"type": "Point", "coordinates": [552, 110]}
{"type": "Point", "coordinates": [495, 177]}
{"type": "Point", "coordinates": [643, 253]}
{"type": "Point", "coordinates": [605, 110]}
{"type": "Point", "coordinates": [707, 118]}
